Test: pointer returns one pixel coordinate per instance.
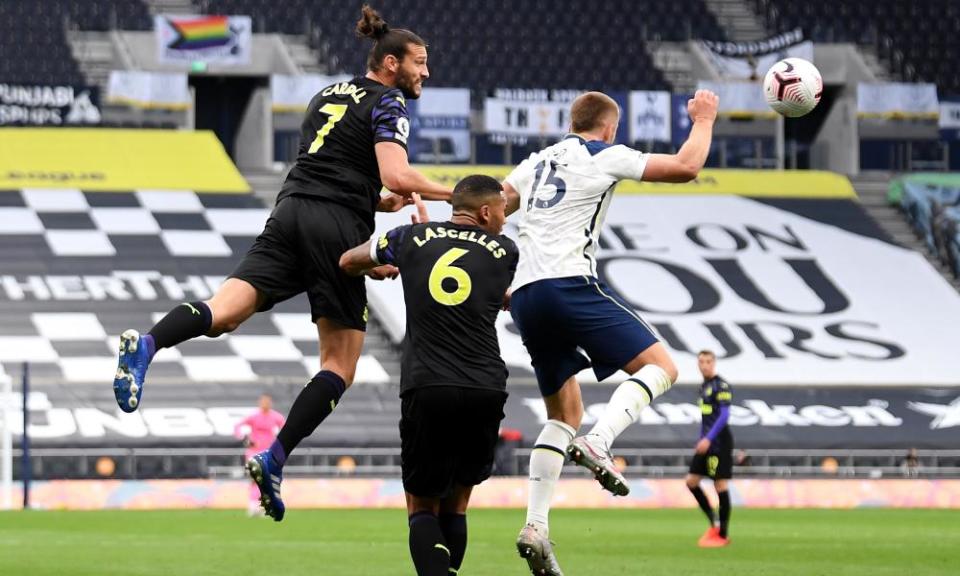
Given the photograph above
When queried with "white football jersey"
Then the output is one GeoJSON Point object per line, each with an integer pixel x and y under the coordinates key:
{"type": "Point", "coordinates": [565, 190]}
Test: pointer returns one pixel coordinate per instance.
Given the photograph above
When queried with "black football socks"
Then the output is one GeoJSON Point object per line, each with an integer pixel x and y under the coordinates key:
{"type": "Point", "coordinates": [186, 321]}
{"type": "Point", "coordinates": [724, 498]}
{"type": "Point", "coordinates": [454, 528]}
{"type": "Point", "coordinates": [704, 503]}
{"type": "Point", "coordinates": [314, 403]}
{"type": "Point", "coordinates": [428, 549]}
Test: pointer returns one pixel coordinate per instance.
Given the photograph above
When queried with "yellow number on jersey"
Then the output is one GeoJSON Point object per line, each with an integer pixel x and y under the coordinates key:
{"type": "Point", "coordinates": [444, 269]}
{"type": "Point", "coordinates": [336, 112]}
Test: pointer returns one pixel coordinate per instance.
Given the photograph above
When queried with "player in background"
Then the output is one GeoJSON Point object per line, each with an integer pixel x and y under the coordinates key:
{"type": "Point", "coordinates": [453, 381]}
{"type": "Point", "coordinates": [258, 431]}
{"type": "Point", "coordinates": [353, 143]}
{"type": "Point", "coordinates": [714, 450]}
{"type": "Point", "coordinates": [560, 305]}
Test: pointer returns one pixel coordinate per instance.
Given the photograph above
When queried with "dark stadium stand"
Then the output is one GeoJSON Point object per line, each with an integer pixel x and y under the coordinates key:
{"type": "Point", "coordinates": [33, 42]}
{"type": "Point", "coordinates": [920, 40]}
{"type": "Point", "coordinates": [474, 44]}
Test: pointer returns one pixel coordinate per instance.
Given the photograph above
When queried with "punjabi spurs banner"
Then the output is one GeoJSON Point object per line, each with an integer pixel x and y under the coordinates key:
{"type": "Point", "coordinates": [761, 417]}
{"type": "Point", "coordinates": [214, 39]}
{"type": "Point", "coordinates": [787, 291]}
{"type": "Point", "coordinates": [650, 116]}
{"type": "Point", "coordinates": [898, 100]}
{"type": "Point", "coordinates": [153, 90]}
{"type": "Point", "coordinates": [751, 60]}
{"type": "Point", "coordinates": [46, 105]}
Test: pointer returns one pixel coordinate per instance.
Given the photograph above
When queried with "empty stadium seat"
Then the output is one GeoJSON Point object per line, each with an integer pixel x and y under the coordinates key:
{"type": "Point", "coordinates": [537, 44]}
{"type": "Point", "coordinates": [918, 39]}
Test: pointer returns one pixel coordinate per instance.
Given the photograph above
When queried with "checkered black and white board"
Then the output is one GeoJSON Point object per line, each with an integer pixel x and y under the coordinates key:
{"type": "Point", "coordinates": [107, 224]}
{"type": "Point", "coordinates": [66, 258]}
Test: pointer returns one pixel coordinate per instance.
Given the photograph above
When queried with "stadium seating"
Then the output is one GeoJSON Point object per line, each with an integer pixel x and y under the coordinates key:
{"type": "Point", "coordinates": [921, 40]}
{"type": "Point", "coordinates": [33, 43]}
{"type": "Point", "coordinates": [538, 44]}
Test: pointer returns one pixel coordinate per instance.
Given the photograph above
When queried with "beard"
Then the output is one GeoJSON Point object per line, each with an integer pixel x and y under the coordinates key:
{"type": "Point", "coordinates": [409, 85]}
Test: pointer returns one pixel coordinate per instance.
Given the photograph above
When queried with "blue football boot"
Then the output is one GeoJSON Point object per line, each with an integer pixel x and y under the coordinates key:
{"type": "Point", "coordinates": [267, 475]}
{"type": "Point", "coordinates": [131, 370]}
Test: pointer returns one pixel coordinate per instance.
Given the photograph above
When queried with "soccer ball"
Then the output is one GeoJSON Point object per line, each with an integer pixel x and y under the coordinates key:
{"type": "Point", "coordinates": [793, 87]}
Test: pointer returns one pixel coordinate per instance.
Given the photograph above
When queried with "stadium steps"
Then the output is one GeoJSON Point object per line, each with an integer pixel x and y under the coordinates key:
{"type": "Point", "coordinates": [880, 70]}
{"type": "Point", "coordinates": [872, 190]}
{"type": "Point", "coordinates": [738, 18]}
{"type": "Point", "coordinates": [95, 54]}
{"type": "Point", "coordinates": [266, 184]}
{"type": "Point", "coordinates": [306, 58]}
{"type": "Point", "coordinates": [674, 60]}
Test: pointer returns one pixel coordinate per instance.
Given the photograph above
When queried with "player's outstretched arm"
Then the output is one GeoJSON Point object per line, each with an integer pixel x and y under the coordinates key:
{"type": "Point", "coordinates": [358, 261]}
{"type": "Point", "coordinates": [686, 164]}
{"type": "Point", "coordinates": [400, 178]}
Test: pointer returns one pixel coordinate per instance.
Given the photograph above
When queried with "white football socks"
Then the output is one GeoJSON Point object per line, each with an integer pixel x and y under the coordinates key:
{"type": "Point", "coordinates": [629, 400]}
{"type": "Point", "coordinates": [546, 462]}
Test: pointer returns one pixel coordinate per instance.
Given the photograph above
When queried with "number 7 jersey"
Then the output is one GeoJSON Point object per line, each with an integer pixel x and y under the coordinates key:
{"type": "Point", "coordinates": [565, 190]}
{"type": "Point", "coordinates": [454, 279]}
{"type": "Point", "coordinates": [337, 160]}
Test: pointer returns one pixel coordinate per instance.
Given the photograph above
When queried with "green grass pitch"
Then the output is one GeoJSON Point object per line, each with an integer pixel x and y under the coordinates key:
{"type": "Point", "coordinates": [870, 542]}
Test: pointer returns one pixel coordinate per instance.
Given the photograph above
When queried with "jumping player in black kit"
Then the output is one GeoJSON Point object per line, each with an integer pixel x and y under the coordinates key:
{"type": "Point", "coordinates": [714, 451]}
{"type": "Point", "coordinates": [353, 143]}
{"type": "Point", "coordinates": [453, 381]}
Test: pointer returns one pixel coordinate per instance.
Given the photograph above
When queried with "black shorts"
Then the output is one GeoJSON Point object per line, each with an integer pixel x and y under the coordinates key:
{"type": "Point", "coordinates": [717, 463]}
{"type": "Point", "coordinates": [448, 436]}
{"type": "Point", "coordinates": [299, 251]}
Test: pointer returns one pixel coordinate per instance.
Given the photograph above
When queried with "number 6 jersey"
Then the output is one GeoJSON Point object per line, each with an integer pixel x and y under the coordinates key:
{"type": "Point", "coordinates": [454, 278]}
{"type": "Point", "coordinates": [565, 190]}
{"type": "Point", "coordinates": [337, 161]}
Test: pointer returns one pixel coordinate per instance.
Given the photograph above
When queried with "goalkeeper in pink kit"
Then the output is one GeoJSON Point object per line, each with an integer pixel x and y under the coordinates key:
{"type": "Point", "coordinates": [258, 432]}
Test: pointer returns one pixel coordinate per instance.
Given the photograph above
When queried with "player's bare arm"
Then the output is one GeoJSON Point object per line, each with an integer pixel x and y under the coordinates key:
{"type": "Point", "coordinates": [390, 202]}
{"type": "Point", "coordinates": [513, 198]}
{"type": "Point", "coordinates": [686, 164]}
{"type": "Point", "coordinates": [400, 178]}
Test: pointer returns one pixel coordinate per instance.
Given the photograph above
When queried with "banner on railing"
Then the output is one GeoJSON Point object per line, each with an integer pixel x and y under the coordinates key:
{"type": "Point", "coordinates": [213, 39]}
{"type": "Point", "coordinates": [898, 100]}
{"type": "Point", "coordinates": [751, 60]}
{"type": "Point", "coordinates": [440, 125]}
{"type": "Point", "coordinates": [821, 417]}
{"type": "Point", "coordinates": [740, 99]}
{"type": "Point", "coordinates": [293, 93]}
{"type": "Point", "coordinates": [650, 116]}
{"type": "Point", "coordinates": [156, 90]}
{"type": "Point", "coordinates": [950, 118]}
{"type": "Point", "coordinates": [528, 112]}
{"type": "Point", "coordinates": [788, 291]}
{"type": "Point", "coordinates": [48, 105]}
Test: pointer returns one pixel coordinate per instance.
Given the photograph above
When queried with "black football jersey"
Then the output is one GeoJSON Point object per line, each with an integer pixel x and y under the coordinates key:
{"type": "Point", "coordinates": [337, 161]}
{"type": "Point", "coordinates": [454, 280]}
{"type": "Point", "coordinates": [714, 394]}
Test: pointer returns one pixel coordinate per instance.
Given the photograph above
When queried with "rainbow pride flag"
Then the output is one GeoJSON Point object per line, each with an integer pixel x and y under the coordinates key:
{"type": "Point", "coordinates": [200, 33]}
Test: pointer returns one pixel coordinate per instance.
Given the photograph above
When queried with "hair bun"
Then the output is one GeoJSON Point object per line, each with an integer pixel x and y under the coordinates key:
{"type": "Point", "coordinates": [371, 24]}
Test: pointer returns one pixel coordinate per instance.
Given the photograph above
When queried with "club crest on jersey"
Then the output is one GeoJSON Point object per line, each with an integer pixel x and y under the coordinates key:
{"type": "Point", "coordinates": [345, 89]}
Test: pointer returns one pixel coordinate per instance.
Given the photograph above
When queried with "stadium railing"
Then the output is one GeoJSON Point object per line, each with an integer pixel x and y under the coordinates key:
{"type": "Point", "coordinates": [225, 463]}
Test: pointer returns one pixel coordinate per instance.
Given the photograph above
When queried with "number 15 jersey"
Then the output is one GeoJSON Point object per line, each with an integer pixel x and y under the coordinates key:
{"type": "Point", "coordinates": [454, 279]}
{"type": "Point", "coordinates": [565, 190]}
